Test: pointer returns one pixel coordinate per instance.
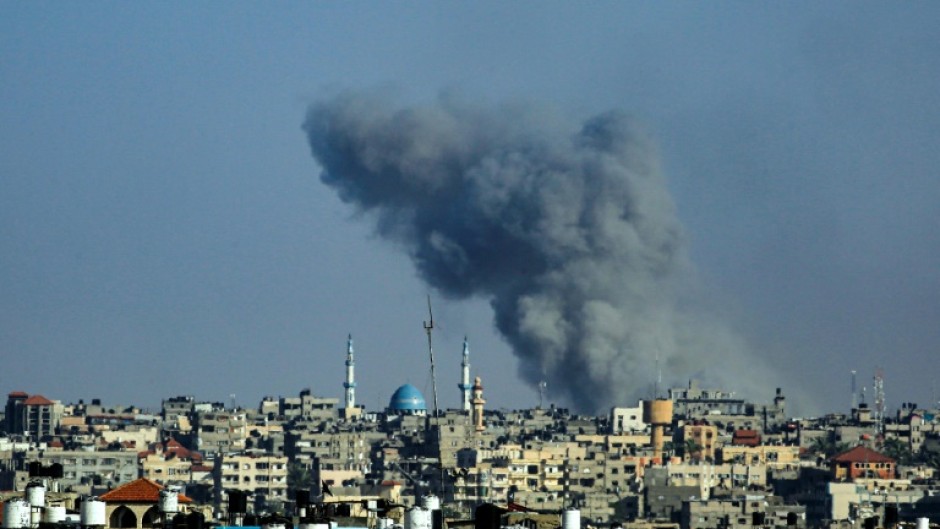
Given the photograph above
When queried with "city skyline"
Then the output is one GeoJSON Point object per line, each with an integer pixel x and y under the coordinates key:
{"type": "Point", "coordinates": [165, 230]}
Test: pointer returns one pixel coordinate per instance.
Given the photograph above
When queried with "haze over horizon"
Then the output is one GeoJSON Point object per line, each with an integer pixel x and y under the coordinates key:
{"type": "Point", "coordinates": [165, 230]}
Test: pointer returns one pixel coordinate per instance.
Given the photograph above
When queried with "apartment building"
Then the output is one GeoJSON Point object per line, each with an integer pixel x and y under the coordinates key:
{"type": "Point", "coordinates": [770, 455]}
{"type": "Point", "coordinates": [32, 415]}
{"type": "Point", "coordinates": [262, 476]}
{"type": "Point", "coordinates": [87, 467]}
{"type": "Point", "coordinates": [220, 431]}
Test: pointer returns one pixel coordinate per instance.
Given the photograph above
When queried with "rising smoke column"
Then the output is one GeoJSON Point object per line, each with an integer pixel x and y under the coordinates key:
{"type": "Point", "coordinates": [567, 228]}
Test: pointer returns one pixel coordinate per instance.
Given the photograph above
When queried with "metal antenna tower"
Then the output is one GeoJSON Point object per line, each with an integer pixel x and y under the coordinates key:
{"type": "Point", "coordinates": [428, 327]}
{"type": "Point", "coordinates": [879, 389]}
{"type": "Point", "coordinates": [542, 387]}
{"type": "Point", "coordinates": [659, 376]}
{"type": "Point", "coordinates": [854, 394]}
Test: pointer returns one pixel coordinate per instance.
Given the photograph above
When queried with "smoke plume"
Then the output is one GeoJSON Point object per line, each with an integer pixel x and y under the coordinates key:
{"type": "Point", "coordinates": [568, 229]}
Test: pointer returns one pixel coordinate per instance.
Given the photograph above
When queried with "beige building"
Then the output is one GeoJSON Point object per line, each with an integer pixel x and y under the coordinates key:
{"type": "Point", "coordinates": [263, 476]}
{"type": "Point", "coordinates": [139, 436]}
{"type": "Point", "coordinates": [770, 455]}
{"type": "Point", "coordinates": [220, 431]}
{"type": "Point", "coordinates": [698, 442]}
{"type": "Point", "coordinates": [171, 463]}
{"type": "Point", "coordinates": [707, 476]}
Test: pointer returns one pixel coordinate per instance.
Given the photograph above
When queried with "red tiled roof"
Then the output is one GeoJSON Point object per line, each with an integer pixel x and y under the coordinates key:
{"type": "Point", "coordinates": [141, 490]}
{"type": "Point", "coordinates": [861, 454]}
{"type": "Point", "coordinates": [745, 438]}
{"type": "Point", "coordinates": [37, 400]}
{"type": "Point", "coordinates": [173, 448]}
{"type": "Point", "coordinates": [17, 394]}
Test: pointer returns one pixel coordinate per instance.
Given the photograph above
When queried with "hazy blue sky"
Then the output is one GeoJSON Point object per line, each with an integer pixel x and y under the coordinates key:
{"type": "Point", "coordinates": [163, 228]}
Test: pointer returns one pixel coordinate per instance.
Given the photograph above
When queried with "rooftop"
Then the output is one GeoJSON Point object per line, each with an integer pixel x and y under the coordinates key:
{"type": "Point", "coordinates": [141, 490]}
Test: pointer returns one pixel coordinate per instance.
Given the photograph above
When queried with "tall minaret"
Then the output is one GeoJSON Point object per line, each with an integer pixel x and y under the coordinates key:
{"type": "Point", "coordinates": [350, 383]}
{"type": "Point", "coordinates": [478, 403]}
{"type": "Point", "coordinates": [465, 386]}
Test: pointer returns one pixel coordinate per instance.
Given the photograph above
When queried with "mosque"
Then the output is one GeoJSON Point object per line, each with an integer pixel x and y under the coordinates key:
{"type": "Point", "coordinates": [407, 400]}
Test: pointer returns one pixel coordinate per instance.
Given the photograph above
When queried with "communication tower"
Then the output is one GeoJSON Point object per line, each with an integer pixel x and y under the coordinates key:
{"type": "Point", "coordinates": [854, 394]}
{"type": "Point", "coordinates": [879, 389]}
{"type": "Point", "coordinates": [428, 327]}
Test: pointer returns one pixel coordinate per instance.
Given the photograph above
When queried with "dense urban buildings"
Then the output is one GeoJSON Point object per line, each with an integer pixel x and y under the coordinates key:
{"type": "Point", "coordinates": [699, 458]}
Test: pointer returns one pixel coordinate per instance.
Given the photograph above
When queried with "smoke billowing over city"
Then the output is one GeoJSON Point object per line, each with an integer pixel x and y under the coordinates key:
{"type": "Point", "coordinates": [566, 227]}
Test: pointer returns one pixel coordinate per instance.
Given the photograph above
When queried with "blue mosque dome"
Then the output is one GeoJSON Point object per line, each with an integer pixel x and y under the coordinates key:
{"type": "Point", "coordinates": [407, 399]}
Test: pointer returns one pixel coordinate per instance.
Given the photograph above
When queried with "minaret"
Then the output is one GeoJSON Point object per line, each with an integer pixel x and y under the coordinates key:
{"type": "Point", "coordinates": [350, 383]}
{"type": "Point", "coordinates": [464, 385]}
{"type": "Point", "coordinates": [478, 403]}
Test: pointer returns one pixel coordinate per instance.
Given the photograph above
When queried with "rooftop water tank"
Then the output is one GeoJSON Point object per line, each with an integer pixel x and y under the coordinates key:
{"type": "Point", "coordinates": [53, 514]}
{"type": "Point", "coordinates": [15, 514]}
{"type": "Point", "coordinates": [169, 500]}
{"type": "Point", "coordinates": [92, 513]}
{"type": "Point", "coordinates": [36, 494]}
{"type": "Point", "coordinates": [571, 519]}
{"type": "Point", "coordinates": [418, 518]}
{"type": "Point", "coordinates": [430, 502]}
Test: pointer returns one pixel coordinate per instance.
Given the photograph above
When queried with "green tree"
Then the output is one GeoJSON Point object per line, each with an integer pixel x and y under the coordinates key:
{"type": "Point", "coordinates": [298, 477]}
{"type": "Point", "coordinates": [898, 450]}
{"type": "Point", "coordinates": [827, 446]}
{"type": "Point", "coordinates": [929, 458]}
{"type": "Point", "coordinates": [691, 449]}
{"type": "Point", "coordinates": [669, 448]}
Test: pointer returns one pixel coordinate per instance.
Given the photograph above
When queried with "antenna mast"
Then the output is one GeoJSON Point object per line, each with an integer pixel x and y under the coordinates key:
{"type": "Point", "coordinates": [428, 327]}
{"type": "Point", "coordinates": [659, 376]}
{"type": "Point", "coordinates": [854, 393]}
{"type": "Point", "coordinates": [879, 389]}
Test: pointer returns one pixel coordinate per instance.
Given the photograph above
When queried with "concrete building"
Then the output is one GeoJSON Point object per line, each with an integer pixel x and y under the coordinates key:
{"type": "Point", "coordinates": [698, 441]}
{"type": "Point", "coordinates": [862, 462]}
{"type": "Point", "coordinates": [32, 415]}
{"type": "Point", "coordinates": [309, 408]}
{"type": "Point", "coordinates": [173, 408]}
{"type": "Point", "coordinates": [264, 477]}
{"type": "Point", "coordinates": [82, 467]}
{"type": "Point", "coordinates": [693, 402]}
{"type": "Point", "coordinates": [770, 455]}
{"type": "Point", "coordinates": [743, 512]}
{"type": "Point", "coordinates": [220, 431]}
{"type": "Point", "coordinates": [708, 477]}
{"type": "Point", "coordinates": [627, 420]}
{"type": "Point", "coordinates": [170, 463]}
{"type": "Point", "coordinates": [138, 436]}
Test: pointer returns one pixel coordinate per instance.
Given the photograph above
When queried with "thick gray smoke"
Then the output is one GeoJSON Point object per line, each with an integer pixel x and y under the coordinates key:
{"type": "Point", "coordinates": [568, 229]}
